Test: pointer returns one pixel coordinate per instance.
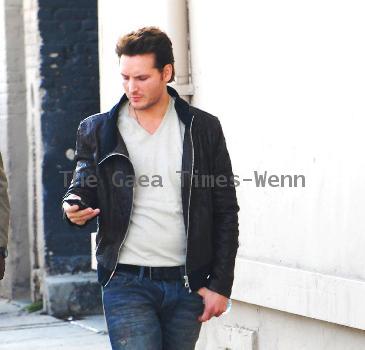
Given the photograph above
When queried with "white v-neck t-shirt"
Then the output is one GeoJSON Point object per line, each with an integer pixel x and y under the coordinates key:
{"type": "Point", "coordinates": [156, 234]}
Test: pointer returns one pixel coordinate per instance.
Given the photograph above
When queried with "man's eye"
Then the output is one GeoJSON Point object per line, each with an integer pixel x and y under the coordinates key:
{"type": "Point", "coordinates": [143, 78]}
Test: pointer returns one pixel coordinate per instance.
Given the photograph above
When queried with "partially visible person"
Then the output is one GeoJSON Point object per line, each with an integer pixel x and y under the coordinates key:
{"type": "Point", "coordinates": [4, 218]}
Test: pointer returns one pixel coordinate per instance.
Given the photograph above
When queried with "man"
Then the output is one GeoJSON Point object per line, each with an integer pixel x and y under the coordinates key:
{"type": "Point", "coordinates": [4, 218]}
{"type": "Point", "coordinates": [167, 240]}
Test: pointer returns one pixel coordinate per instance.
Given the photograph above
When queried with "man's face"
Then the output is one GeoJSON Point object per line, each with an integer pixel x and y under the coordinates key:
{"type": "Point", "coordinates": [143, 83]}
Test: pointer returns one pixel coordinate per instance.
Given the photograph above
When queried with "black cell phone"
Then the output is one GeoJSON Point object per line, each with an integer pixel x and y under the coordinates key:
{"type": "Point", "coordinates": [72, 201]}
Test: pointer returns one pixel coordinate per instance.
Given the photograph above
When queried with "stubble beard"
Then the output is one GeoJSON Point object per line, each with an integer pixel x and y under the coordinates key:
{"type": "Point", "coordinates": [147, 105]}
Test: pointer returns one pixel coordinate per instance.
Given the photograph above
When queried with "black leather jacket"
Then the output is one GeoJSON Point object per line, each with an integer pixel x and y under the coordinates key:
{"type": "Point", "coordinates": [209, 206]}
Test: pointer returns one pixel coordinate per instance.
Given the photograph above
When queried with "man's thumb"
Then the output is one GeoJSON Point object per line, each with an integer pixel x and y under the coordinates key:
{"type": "Point", "coordinates": [205, 316]}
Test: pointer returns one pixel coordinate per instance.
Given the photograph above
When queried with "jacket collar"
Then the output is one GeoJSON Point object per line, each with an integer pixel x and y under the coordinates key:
{"type": "Point", "coordinates": [111, 140]}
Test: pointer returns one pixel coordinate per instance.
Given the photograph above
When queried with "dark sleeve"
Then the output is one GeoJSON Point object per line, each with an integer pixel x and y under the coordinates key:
{"type": "Point", "coordinates": [4, 207]}
{"type": "Point", "coordinates": [225, 220]}
{"type": "Point", "coordinates": [84, 180]}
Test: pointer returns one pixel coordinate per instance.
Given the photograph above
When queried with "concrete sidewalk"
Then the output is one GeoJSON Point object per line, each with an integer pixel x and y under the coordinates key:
{"type": "Point", "coordinates": [20, 330]}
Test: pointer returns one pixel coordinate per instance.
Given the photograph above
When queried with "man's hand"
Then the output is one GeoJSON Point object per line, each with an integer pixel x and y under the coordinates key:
{"type": "Point", "coordinates": [215, 304]}
{"type": "Point", "coordinates": [2, 267]}
{"type": "Point", "coordinates": [76, 216]}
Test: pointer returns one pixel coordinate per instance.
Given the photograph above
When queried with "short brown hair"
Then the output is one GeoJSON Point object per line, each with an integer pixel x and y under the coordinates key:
{"type": "Point", "coordinates": [148, 40]}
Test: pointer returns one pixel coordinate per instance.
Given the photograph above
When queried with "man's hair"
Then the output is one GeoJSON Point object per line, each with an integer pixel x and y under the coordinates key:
{"type": "Point", "coordinates": [148, 40]}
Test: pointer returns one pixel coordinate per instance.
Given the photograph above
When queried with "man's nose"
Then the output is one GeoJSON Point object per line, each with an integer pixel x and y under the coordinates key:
{"type": "Point", "coordinates": [132, 86]}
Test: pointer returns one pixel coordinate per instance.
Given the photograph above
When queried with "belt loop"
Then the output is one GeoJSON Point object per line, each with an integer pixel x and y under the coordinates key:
{"type": "Point", "coordinates": [150, 268]}
{"type": "Point", "coordinates": [141, 273]}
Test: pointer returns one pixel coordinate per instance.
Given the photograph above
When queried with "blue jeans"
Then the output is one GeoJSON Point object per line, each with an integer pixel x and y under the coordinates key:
{"type": "Point", "coordinates": [145, 314]}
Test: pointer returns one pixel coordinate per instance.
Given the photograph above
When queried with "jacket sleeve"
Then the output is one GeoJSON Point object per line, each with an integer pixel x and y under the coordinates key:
{"type": "Point", "coordinates": [225, 220]}
{"type": "Point", "coordinates": [4, 207]}
{"type": "Point", "coordinates": [84, 180]}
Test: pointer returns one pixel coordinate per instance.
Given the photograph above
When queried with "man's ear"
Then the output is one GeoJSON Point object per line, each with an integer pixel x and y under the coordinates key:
{"type": "Point", "coordinates": [167, 72]}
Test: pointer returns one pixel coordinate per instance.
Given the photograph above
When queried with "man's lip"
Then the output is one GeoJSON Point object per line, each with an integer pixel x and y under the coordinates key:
{"type": "Point", "coordinates": [135, 97]}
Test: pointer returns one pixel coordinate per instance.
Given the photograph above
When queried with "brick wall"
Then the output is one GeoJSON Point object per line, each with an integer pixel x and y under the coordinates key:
{"type": "Point", "coordinates": [62, 88]}
{"type": "Point", "coordinates": [69, 78]}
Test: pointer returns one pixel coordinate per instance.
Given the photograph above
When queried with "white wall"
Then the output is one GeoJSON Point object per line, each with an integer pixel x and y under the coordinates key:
{"type": "Point", "coordinates": [287, 81]}
{"type": "Point", "coordinates": [32, 43]}
{"type": "Point", "coordinates": [267, 329]}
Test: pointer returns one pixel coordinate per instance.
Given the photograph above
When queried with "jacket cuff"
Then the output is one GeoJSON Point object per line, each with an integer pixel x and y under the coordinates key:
{"type": "Point", "coordinates": [3, 252]}
{"type": "Point", "coordinates": [216, 286]}
{"type": "Point", "coordinates": [69, 221]}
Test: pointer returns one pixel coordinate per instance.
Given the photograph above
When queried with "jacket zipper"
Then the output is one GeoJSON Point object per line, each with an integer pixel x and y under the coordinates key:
{"type": "Point", "coordinates": [130, 214]}
{"type": "Point", "coordinates": [96, 248]}
{"type": "Point", "coordinates": [186, 277]}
